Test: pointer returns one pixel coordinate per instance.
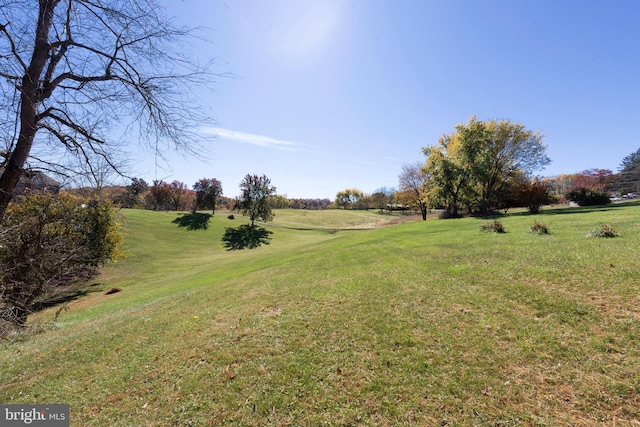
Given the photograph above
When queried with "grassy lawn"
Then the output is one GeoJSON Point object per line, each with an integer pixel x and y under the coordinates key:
{"type": "Point", "coordinates": [422, 323]}
{"type": "Point", "coordinates": [337, 218]}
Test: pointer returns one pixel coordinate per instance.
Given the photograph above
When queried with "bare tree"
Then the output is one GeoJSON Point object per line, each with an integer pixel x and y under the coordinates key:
{"type": "Point", "coordinates": [412, 182]}
{"type": "Point", "coordinates": [93, 177]}
{"type": "Point", "coordinates": [74, 73]}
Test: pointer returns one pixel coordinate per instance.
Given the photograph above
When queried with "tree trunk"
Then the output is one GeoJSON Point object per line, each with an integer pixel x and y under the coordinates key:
{"type": "Point", "coordinates": [29, 102]}
{"type": "Point", "coordinates": [423, 208]}
{"type": "Point", "coordinates": [484, 207]}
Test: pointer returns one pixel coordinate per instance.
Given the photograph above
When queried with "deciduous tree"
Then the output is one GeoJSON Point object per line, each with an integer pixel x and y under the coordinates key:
{"type": "Point", "coordinates": [278, 201]}
{"type": "Point", "coordinates": [159, 194]}
{"type": "Point", "coordinates": [348, 198]}
{"type": "Point", "coordinates": [73, 72]}
{"type": "Point", "coordinates": [559, 185]}
{"type": "Point", "coordinates": [207, 192]}
{"type": "Point", "coordinates": [132, 196]}
{"type": "Point", "coordinates": [533, 194]}
{"type": "Point", "coordinates": [177, 195]}
{"type": "Point", "coordinates": [474, 164]}
{"type": "Point", "coordinates": [596, 179]}
{"type": "Point", "coordinates": [413, 182]}
{"type": "Point", "coordinates": [449, 182]}
{"type": "Point", "coordinates": [382, 198]}
{"type": "Point", "coordinates": [253, 200]}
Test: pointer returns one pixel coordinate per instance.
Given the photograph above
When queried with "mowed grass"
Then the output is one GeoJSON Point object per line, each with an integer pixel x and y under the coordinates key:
{"type": "Point", "coordinates": [424, 323]}
{"type": "Point", "coordinates": [334, 219]}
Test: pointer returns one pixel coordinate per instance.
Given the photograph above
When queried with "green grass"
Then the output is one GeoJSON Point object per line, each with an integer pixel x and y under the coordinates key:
{"type": "Point", "coordinates": [423, 323]}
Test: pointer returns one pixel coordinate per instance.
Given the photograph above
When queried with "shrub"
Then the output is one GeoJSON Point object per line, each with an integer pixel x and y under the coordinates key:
{"type": "Point", "coordinates": [533, 195]}
{"type": "Point", "coordinates": [605, 230]}
{"type": "Point", "coordinates": [539, 228]}
{"type": "Point", "coordinates": [446, 214]}
{"type": "Point", "coordinates": [50, 242]}
{"type": "Point", "coordinates": [492, 227]}
{"type": "Point", "coordinates": [588, 197]}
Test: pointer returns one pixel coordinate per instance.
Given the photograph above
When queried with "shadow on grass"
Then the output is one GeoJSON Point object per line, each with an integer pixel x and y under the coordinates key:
{"type": "Point", "coordinates": [245, 237]}
{"type": "Point", "coordinates": [586, 209]}
{"type": "Point", "coordinates": [565, 210]}
{"type": "Point", "coordinates": [63, 295]}
{"type": "Point", "coordinates": [193, 221]}
{"type": "Point", "coordinates": [58, 298]}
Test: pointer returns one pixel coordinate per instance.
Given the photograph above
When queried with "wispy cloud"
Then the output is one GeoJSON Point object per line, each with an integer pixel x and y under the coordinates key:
{"type": "Point", "coordinates": [365, 162]}
{"type": "Point", "coordinates": [253, 139]}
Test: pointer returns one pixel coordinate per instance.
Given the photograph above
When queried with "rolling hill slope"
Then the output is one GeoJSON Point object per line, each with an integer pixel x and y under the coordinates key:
{"type": "Point", "coordinates": [424, 323]}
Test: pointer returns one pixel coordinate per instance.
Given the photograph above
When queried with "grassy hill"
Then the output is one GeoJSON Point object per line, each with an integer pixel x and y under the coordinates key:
{"type": "Point", "coordinates": [422, 323]}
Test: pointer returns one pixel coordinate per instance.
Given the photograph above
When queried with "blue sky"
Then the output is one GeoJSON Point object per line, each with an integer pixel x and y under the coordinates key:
{"type": "Point", "coordinates": [332, 94]}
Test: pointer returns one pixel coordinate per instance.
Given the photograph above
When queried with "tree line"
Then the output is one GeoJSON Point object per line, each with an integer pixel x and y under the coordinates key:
{"type": "Point", "coordinates": [480, 168]}
{"type": "Point", "coordinates": [485, 167]}
{"type": "Point", "coordinates": [206, 194]}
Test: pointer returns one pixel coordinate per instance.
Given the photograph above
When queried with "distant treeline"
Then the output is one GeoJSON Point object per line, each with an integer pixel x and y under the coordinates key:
{"type": "Point", "coordinates": [177, 196]}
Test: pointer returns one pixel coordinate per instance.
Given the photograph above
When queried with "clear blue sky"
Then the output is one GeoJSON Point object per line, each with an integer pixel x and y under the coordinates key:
{"type": "Point", "coordinates": [334, 94]}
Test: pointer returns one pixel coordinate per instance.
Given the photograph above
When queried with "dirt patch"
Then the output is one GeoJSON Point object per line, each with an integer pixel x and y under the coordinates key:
{"type": "Point", "coordinates": [401, 220]}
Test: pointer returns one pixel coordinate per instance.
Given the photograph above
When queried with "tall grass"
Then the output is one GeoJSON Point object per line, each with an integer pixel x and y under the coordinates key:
{"type": "Point", "coordinates": [426, 323]}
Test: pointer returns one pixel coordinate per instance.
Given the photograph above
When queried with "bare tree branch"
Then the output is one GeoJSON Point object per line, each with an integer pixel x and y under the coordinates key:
{"type": "Point", "coordinates": [87, 68]}
{"type": "Point", "coordinates": [3, 29]}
